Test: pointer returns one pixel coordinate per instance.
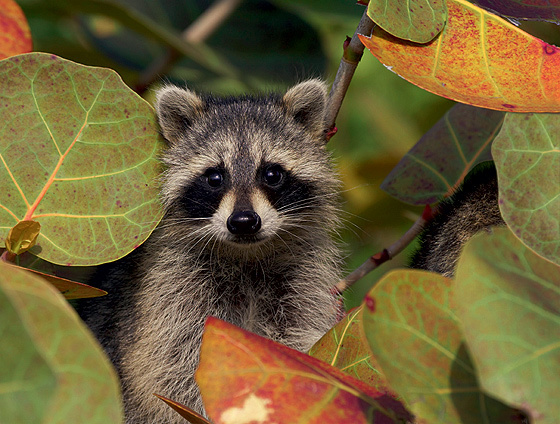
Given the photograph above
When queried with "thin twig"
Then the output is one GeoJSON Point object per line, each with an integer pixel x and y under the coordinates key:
{"type": "Point", "coordinates": [386, 254]}
{"type": "Point", "coordinates": [204, 26]}
{"type": "Point", "coordinates": [353, 51]}
{"type": "Point", "coordinates": [210, 20]}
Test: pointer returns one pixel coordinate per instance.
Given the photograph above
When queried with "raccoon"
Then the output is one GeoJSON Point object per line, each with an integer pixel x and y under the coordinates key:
{"type": "Point", "coordinates": [472, 208]}
{"type": "Point", "coordinates": [251, 200]}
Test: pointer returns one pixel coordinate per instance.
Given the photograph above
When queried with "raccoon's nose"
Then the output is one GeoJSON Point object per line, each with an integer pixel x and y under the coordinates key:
{"type": "Point", "coordinates": [244, 223]}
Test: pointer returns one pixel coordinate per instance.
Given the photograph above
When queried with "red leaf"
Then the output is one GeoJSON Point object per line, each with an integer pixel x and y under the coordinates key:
{"type": "Point", "coordinates": [15, 36]}
{"type": "Point", "coordinates": [245, 375]}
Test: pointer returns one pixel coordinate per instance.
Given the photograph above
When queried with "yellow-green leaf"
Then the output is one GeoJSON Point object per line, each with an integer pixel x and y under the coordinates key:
{"type": "Point", "coordinates": [52, 369]}
{"type": "Point", "coordinates": [345, 348]}
{"type": "Point", "coordinates": [416, 337]}
{"type": "Point", "coordinates": [22, 237]}
{"type": "Point", "coordinates": [527, 157]}
{"type": "Point", "coordinates": [78, 154]}
{"type": "Point", "coordinates": [415, 20]}
{"type": "Point", "coordinates": [441, 159]}
{"type": "Point", "coordinates": [509, 304]}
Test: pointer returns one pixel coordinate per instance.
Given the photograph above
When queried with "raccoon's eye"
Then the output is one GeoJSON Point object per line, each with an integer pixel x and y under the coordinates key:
{"type": "Point", "coordinates": [274, 175]}
{"type": "Point", "coordinates": [214, 177]}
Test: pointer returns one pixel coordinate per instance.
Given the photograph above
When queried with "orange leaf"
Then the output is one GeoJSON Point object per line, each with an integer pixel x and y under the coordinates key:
{"type": "Point", "coordinates": [183, 411]}
{"type": "Point", "coordinates": [252, 379]}
{"type": "Point", "coordinates": [15, 36]}
{"type": "Point", "coordinates": [478, 59]}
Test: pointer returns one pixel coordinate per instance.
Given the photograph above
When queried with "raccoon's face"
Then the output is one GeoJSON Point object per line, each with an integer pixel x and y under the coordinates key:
{"type": "Point", "coordinates": [247, 171]}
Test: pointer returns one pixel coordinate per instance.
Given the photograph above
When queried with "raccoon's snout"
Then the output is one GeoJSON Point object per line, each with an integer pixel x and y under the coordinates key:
{"type": "Point", "coordinates": [244, 223]}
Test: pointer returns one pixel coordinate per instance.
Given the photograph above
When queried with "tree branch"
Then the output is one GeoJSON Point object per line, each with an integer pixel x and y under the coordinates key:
{"type": "Point", "coordinates": [202, 28]}
{"type": "Point", "coordinates": [353, 51]}
{"type": "Point", "coordinates": [386, 254]}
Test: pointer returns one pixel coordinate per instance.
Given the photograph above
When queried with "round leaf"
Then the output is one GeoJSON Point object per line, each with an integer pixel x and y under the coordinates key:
{"type": "Point", "coordinates": [58, 370]}
{"type": "Point", "coordinates": [78, 154]}
{"type": "Point", "coordinates": [441, 159]}
{"type": "Point", "coordinates": [415, 20]}
{"type": "Point", "coordinates": [242, 373]}
{"type": "Point", "coordinates": [476, 60]}
{"type": "Point", "coordinates": [416, 337]}
{"type": "Point", "coordinates": [509, 304]}
{"type": "Point", "coordinates": [527, 157]}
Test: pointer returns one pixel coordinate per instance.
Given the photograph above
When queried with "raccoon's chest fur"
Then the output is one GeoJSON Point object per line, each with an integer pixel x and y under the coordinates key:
{"type": "Point", "coordinates": [251, 200]}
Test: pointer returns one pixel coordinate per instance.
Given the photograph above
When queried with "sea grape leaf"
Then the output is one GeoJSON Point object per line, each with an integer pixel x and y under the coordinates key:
{"type": "Point", "coordinates": [523, 9]}
{"type": "Point", "coordinates": [26, 377]}
{"type": "Point", "coordinates": [509, 304]}
{"type": "Point", "coordinates": [183, 411]}
{"type": "Point", "coordinates": [15, 36]}
{"type": "Point", "coordinates": [69, 289]}
{"type": "Point", "coordinates": [22, 237]}
{"type": "Point", "coordinates": [58, 372]}
{"type": "Point", "coordinates": [78, 154]}
{"type": "Point", "coordinates": [344, 347]}
{"type": "Point", "coordinates": [527, 157]}
{"type": "Point", "coordinates": [478, 59]}
{"type": "Point", "coordinates": [414, 333]}
{"type": "Point", "coordinates": [441, 159]}
{"type": "Point", "coordinates": [242, 373]}
{"type": "Point", "coordinates": [418, 21]}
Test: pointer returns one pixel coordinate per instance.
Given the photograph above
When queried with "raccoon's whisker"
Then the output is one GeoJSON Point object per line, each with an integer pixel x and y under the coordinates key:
{"type": "Point", "coordinates": [286, 244]}
{"type": "Point", "coordinates": [291, 233]}
{"type": "Point", "coordinates": [308, 200]}
{"type": "Point", "coordinates": [200, 235]}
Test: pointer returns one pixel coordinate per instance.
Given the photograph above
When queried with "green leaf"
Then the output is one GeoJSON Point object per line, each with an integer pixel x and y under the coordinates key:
{"type": "Point", "coordinates": [52, 369]}
{"type": "Point", "coordinates": [509, 304]}
{"type": "Point", "coordinates": [527, 157]}
{"type": "Point", "coordinates": [442, 158]}
{"type": "Point", "coordinates": [415, 335]}
{"type": "Point", "coordinates": [27, 382]}
{"type": "Point", "coordinates": [344, 347]}
{"type": "Point", "coordinates": [419, 21]}
{"type": "Point", "coordinates": [78, 154]}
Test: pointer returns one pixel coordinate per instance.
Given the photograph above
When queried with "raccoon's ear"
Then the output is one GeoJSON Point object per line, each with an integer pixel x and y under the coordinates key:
{"type": "Point", "coordinates": [177, 109]}
{"type": "Point", "coordinates": [306, 103]}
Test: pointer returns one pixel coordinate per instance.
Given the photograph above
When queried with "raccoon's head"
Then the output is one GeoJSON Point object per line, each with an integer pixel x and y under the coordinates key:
{"type": "Point", "coordinates": [246, 171]}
